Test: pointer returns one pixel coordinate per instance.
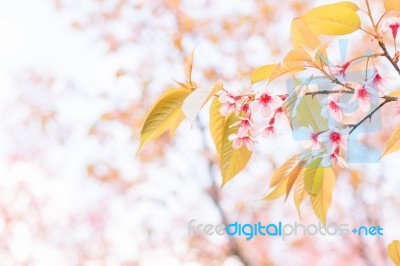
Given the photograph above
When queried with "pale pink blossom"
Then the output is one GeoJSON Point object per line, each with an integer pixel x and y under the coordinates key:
{"type": "Point", "coordinates": [362, 96]}
{"type": "Point", "coordinates": [335, 138]}
{"type": "Point", "coordinates": [270, 130]}
{"type": "Point", "coordinates": [339, 72]}
{"type": "Point", "coordinates": [266, 103]}
{"type": "Point", "coordinates": [333, 108]}
{"type": "Point", "coordinates": [333, 158]}
{"type": "Point", "coordinates": [377, 82]}
{"type": "Point", "coordinates": [230, 103]}
{"type": "Point", "coordinates": [238, 141]}
{"type": "Point", "coordinates": [246, 109]}
{"type": "Point", "coordinates": [245, 126]}
{"type": "Point", "coordinates": [312, 139]}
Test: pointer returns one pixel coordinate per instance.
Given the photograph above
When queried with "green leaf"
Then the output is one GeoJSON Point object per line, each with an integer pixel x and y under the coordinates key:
{"type": "Point", "coordinates": [166, 114]}
{"type": "Point", "coordinates": [262, 73]}
{"type": "Point", "coordinates": [393, 251]}
{"type": "Point", "coordinates": [313, 176]}
{"type": "Point", "coordinates": [322, 200]}
{"type": "Point", "coordinates": [334, 19]}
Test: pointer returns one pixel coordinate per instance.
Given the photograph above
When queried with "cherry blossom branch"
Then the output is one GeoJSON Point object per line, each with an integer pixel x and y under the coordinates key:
{"type": "Point", "coordinates": [388, 99]}
{"type": "Point", "coordinates": [387, 55]}
{"type": "Point", "coordinates": [313, 93]}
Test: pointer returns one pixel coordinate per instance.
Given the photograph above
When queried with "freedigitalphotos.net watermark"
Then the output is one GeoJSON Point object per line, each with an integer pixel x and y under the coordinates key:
{"type": "Point", "coordinates": [280, 229]}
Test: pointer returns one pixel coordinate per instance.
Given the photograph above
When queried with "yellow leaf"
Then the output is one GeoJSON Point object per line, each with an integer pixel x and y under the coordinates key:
{"type": "Point", "coordinates": [322, 200]}
{"type": "Point", "coordinates": [300, 192]}
{"type": "Point", "coordinates": [302, 36]}
{"type": "Point", "coordinates": [189, 67]}
{"type": "Point", "coordinates": [355, 179]}
{"type": "Point", "coordinates": [297, 55]}
{"type": "Point", "coordinates": [394, 141]}
{"type": "Point", "coordinates": [334, 19]}
{"type": "Point", "coordinates": [166, 114]}
{"type": "Point", "coordinates": [392, 4]}
{"type": "Point", "coordinates": [217, 125]}
{"type": "Point", "coordinates": [196, 100]}
{"type": "Point", "coordinates": [319, 55]}
{"type": "Point", "coordinates": [278, 191]}
{"type": "Point", "coordinates": [393, 251]}
{"type": "Point", "coordinates": [262, 73]}
{"type": "Point", "coordinates": [292, 177]}
{"type": "Point", "coordinates": [232, 161]}
{"type": "Point", "coordinates": [313, 176]}
{"type": "Point", "coordinates": [348, 4]}
{"type": "Point", "coordinates": [285, 68]}
{"type": "Point", "coordinates": [395, 93]}
{"type": "Point", "coordinates": [283, 170]}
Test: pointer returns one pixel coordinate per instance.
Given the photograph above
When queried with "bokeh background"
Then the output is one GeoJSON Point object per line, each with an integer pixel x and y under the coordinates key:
{"type": "Point", "coordinates": [76, 80]}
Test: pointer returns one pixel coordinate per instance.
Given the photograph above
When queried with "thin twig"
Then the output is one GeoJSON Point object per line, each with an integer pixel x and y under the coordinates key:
{"type": "Point", "coordinates": [214, 194]}
{"type": "Point", "coordinates": [388, 99]}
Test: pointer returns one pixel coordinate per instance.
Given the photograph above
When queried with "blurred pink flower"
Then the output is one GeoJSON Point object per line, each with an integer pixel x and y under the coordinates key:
{"type": "Point", "coordinates": [230, 103]}
{"type": "Point", "coordinates": [333, 158]}
{"type": "Point", "coordinates": [245, 126]}
{"type": "Point", "coordinates": [237, 141]}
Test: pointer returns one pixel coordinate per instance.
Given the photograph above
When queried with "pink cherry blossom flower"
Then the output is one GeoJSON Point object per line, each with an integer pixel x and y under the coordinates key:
{"type": "Point", "coordinates": [377, 82]}
{"type": "Point", "coordinates": [333, 108]}
{"type": "Point", "coordinates": [335, 138]}
{"type": "Point", "coordinates": [312, 139]}
{"type": "Point", "coordinates": [393, 24]}
{"type": "Point", "coordinates": [270, 130]}
{"type": "Point", "coordinates": [339, 72]}
{"type": "Point", "coordinates": [333, 158]}
{"type": "Point", "coordinates": [362, 96]}
{"type": "Point", "coordinates": [238, 141]}
{"type": "Point", "coordinates": [230, 103]}
{"type": "Point", "coordinates": [246, 109]}
{"type": "Point", "coordinates": [245, 126]}
{"type": "Point", "coordinates": [266, 103]}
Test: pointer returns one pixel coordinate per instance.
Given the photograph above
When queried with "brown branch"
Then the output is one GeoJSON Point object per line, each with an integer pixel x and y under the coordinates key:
{"type": "Point", "coordinates": [388, 99]}
{"type": "Point", "coordinates": [213, 191]}
{"type": "Point", "coordinates": [313, 93]}
{"type": "Point", "coordinates": [387, 55]}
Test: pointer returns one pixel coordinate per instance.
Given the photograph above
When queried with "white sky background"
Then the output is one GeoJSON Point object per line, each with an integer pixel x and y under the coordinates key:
{"type": "Point", "coordinates": [33, 35]}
